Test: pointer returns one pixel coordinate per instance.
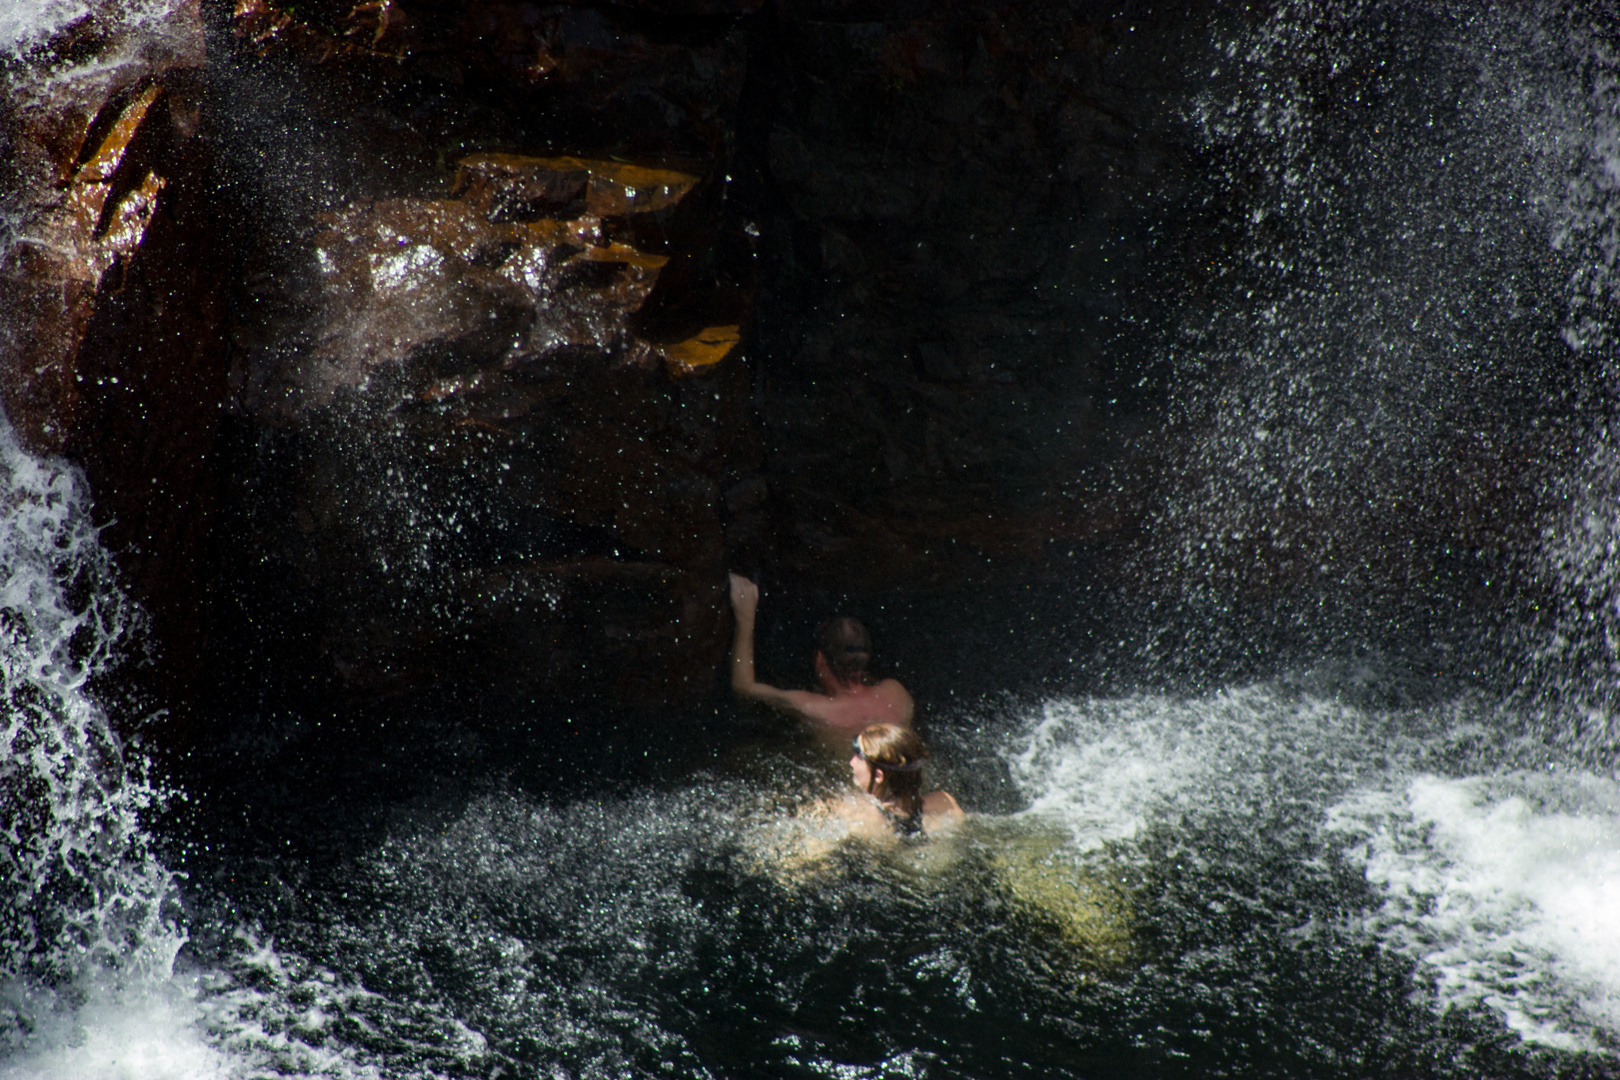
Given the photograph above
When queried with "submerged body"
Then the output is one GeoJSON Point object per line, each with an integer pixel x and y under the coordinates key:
{"type": "Point", "coordinates": [885, 805]}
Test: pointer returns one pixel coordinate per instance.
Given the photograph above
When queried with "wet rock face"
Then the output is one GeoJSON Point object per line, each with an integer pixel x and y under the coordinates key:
{"type": "Point", "coordinates": [523, 262]}
{"type": "Point", "coordinates": [498, 474]}
{"type": "Point", "coordinates": [485, 411]}
{"type": "Point", "coordinates": [641, 80]}
{"type": "Point", "coordinates": [962, 254]}
{"type": "Point", "coordinates": [112, 344]}
{"type": "Point", "coordinates": [518, 324]}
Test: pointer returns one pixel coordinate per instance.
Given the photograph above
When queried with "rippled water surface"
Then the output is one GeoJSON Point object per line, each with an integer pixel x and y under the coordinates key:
{"type": "Point", "coordinates": [1279, 879]}
{"type": "Point", "coordinates": [1397, 866]}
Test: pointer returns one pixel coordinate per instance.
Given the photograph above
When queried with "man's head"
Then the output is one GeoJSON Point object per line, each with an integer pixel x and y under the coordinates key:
{"type": "Point", "coordinates": [844, 646]}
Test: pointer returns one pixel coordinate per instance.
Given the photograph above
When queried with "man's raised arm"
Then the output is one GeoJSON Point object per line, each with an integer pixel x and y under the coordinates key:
{"type": "Point", "coordinates": [744, 606]}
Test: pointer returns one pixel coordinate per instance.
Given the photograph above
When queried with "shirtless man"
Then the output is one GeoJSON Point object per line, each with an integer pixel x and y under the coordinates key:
{"type": "Point", "coordinates": [848, 702]}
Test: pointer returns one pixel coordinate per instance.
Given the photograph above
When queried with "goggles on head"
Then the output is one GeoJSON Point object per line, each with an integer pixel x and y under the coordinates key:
{"type": "Point", "coordinates": [910, 766]}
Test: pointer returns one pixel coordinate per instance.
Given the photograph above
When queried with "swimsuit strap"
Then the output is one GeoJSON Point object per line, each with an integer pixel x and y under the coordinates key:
{"type": "Point", "coordinates": [907, 826]}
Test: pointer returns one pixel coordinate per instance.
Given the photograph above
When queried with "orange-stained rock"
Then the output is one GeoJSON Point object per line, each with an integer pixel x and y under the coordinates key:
{"type": "Point", "coordinates": [113, 351]}
{"type": "Point", "coordinates": [87, 211]}
{"type": "Point", "coordinates": [377, 28]}
{"type": "Point", "coordinates": [704, 349]}
{"type": "Point", "coordinates": [510, 187]}
{"type": "Point", "coordinates": [481, 414]}
{"type": "Point", "coordinates": [485, 280]}
{"type": "Point", "coordinates": [500, 478]}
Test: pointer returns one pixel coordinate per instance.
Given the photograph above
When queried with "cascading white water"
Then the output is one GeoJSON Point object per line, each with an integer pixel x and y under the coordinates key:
{"type": "Point", "coordinates": [72, 801]}
{"type": "Point", "coordinates": [88, 924]}
{"type": "Point", "coordinates": [1388, 271]}
{"type": "Point", "coordinates": [1507, 886]}
{"type": "Point", "coordinates": [1578, 654]}
{"type": "Point", "coordinates": [87, 927]}
{"type": "Point", "coordinates": [1417, 281]}
{"type": "Point", "coordinates": [1495, 857]}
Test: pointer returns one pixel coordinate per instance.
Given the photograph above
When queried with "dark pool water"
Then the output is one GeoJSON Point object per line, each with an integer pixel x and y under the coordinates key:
{"type": "Point", "coordinates": [1367, 825]}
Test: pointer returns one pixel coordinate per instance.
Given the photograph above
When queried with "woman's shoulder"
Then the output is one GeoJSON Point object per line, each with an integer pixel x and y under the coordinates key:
{"type": "Point", "coordinates": [940, 808]}
{"type": "Point", "coordinates": [862, 815]}
{"type": "Point", "coordinates": [859, 813]}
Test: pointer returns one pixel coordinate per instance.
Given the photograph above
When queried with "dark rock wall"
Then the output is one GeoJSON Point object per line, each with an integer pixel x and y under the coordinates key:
{"type": "Point", "coordinates": [473, 342]}
{"type": "Point", "coordinates": [486, 389]}
{"type": "Point", "coordinates": [113, 344]}
{"type": "Point", "coordinates": [971, 212]}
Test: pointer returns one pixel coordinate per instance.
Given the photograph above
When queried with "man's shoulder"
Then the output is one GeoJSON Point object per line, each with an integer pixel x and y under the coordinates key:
{"type": "Point", "coordinates": [808, 702]}
{"type": "Point", "coordinates": [898, 698]}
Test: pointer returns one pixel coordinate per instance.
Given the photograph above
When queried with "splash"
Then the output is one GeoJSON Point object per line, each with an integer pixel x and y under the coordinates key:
{"type": "Point", "coordinates": [85, 893]}
{"type": "Point", "coordinates": [1507, 887]}
{"type": "Point", "coordinates": [1492, 864]}
{"type": "Point", "coordinates": [147, 1036]}
{"type": "Point", "coordinates": [1375, 393]}
{"type": "Point", "coordinates": [26, 25]}
{"type": "Point", "coordinates": [1108, 767]}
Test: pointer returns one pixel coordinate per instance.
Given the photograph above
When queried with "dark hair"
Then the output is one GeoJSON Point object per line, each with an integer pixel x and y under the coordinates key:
{"type": "Point", "coordinates": [844, 643]}
{"type": "Point", "coordinates": [898, 752]}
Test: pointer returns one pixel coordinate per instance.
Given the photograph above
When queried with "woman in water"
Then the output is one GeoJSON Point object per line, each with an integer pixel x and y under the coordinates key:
{"type": "Point", "coordinates": [887, 768]}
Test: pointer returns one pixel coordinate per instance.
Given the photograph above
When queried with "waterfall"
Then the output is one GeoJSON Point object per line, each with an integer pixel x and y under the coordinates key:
{"type": "Point", "coordinates": [90, 923]}
{"type": "Point", "coordinates": [1396, 396]}
{"type": "Point", "coordinates": [1393, 408]}
{"type": "Point", "coordinates": [1398, 409]}
{"type": "Point", "coordinates": [89, 911]}
{"type": "Point", "coordinates": [1578, 649]}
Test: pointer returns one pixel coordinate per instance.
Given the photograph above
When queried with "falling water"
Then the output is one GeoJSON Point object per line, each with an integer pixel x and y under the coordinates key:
{"type": "Point", "coordinates": [89, 911]}
{"type": "Point", "coordinates": [1579, 652]}
{"type": "Point", "coordinates": [1383, 397]}
{"type": "Point", "coordinates": [1398, 859]}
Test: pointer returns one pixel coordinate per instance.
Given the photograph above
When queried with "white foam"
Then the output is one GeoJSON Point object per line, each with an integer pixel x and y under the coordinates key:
{"type": "Point", "coordinates": [1504, 886]}
{"type": "Point", "coordinates": [1507, 887]}
{"type": "Point", "coordinates": [72, 795]}
{"type": "Point", "coordinates": [27, 24]}
{"type": "Point", "coordinates": [1105, 766]}
{"type": "Point", "coordinates": [264, 1015]}
{"type": "Point", "coordinates": [24, 22]}
{"type": "Point", "coordinates": [146, 1034]}
{"type": "Point", "coordinates": [84, 895]}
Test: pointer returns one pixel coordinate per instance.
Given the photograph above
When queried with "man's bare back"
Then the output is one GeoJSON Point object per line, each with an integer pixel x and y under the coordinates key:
{"type": "Point", "coordinates": [843, 708]}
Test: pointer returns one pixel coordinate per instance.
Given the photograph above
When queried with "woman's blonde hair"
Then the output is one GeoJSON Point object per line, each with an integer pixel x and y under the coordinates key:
{"type": "Point", "coordinates": [899, 753]}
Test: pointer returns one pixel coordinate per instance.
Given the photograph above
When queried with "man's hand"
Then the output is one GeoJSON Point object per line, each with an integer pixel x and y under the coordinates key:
{"type": "Point", "coordinates": [798, 703]}
{"type": "Point", "coordinates": [744, 595]}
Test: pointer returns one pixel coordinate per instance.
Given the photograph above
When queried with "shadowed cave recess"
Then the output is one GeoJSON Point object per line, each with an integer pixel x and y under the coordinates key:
{"type": "Point", "coordinates": [461, 349]}
{"type": "Point", "coordinates": [1206, 405]}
